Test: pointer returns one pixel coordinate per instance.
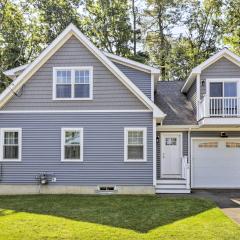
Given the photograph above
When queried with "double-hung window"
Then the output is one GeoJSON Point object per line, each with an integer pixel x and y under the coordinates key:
{"type": "Point", "coordinates": [135, 141]}
{"type": "Point", "coordinates": [74, 83]}
{"type": "Point", "coordinates": [72, 144]}
{"type": "Point", "coordinates": [11, 143]}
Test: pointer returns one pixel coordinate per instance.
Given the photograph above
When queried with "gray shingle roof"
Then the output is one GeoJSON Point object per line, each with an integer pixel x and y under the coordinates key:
{"type": "Point", "coordinates": [175, 104]}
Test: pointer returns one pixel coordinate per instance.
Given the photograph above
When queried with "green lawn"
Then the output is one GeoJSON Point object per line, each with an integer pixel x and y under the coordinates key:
{"type": "Point", "coordinates": [112, 217]}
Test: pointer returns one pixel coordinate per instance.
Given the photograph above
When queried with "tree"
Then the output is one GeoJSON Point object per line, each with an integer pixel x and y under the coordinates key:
{"type": "Point", "coordinates": [18, 40]}
{"type": "Point", "coordinates": [201, 39]}
{"type": "Point", "coordinates": [109, 25]}
{"type": "Point", "coordinates": [55, 15]}
{"type": "Point", "coordinates": [231, 25]}
{"type": "Point", "coordinates": [161, 16]}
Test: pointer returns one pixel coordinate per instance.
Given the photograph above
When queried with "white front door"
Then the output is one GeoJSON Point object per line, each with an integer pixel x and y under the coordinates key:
{"type": "Point", "coordinates": [171, 155]}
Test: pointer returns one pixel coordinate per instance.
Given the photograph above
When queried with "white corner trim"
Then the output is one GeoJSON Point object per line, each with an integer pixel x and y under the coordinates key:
{"type": "Point", "coordinates": [72, 69]}
{"type": "Point", "coordinates": [126, 130]}
{"type": "Point", "coordinates": [63, 130]}
{"type": "Point", "coordinates": [223, 53]}
{"type": "Point", "coordinates": [2, 131]}
{"type": "Point", "coordinates": [152, 87]}
{"type": "Point", "coordinates": [132, 63]}
{"type": "Point", "coordinates": [154, 152]}
{"type": "Point", "coordinates": [52, 48]}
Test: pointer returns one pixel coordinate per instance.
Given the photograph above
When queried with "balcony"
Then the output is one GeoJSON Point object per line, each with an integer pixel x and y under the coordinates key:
{"type": "Point", "coordinates": [219, 108]}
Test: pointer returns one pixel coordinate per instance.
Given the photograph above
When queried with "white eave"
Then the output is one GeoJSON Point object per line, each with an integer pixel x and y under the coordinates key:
{"type": "Point", "coordinates": [197, 70]}
{"type": "Point", "coordinates": [131, 63]}
{"type": "Point", "coordinates": [72, 30]}
{"type": "Point", "coordinates": [11, 73]}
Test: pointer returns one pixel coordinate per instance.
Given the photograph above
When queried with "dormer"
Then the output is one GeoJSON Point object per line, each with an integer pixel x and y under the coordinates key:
{"type": "Point", "coordinates": [214, 89]}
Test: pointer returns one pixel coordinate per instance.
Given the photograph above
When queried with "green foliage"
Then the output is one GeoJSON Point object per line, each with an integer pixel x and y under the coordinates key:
{"type": "Point", "coordinates": [174, 35]}
{"type": "Point", "coordinates": [231, 26]}
{"type": "Point", "coordinates": [55, 15]}
{"type": "Point", "coordinates": [109, 25]}
{"type": "Point", "coordinates": [161, 17]}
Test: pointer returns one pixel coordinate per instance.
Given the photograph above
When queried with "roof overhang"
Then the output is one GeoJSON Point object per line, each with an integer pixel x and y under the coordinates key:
{"type": "Point", "coordinates": [197, 70]}
{"type": "Point", "coordinates": [72, 30]}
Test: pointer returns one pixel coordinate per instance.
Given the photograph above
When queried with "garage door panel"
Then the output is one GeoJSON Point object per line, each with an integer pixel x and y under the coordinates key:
{"type": "Point", "coordinates": [216, 163]}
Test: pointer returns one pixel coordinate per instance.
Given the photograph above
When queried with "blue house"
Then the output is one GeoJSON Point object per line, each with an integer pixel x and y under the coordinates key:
{"type": "Point", "coordinates": [79, 120]}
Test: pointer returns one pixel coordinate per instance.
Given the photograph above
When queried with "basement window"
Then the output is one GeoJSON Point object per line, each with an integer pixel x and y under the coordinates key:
{"type": "Point", "coordinates": [106, 189]}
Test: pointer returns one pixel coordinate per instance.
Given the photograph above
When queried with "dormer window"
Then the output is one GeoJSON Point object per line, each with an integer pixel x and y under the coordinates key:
{"type": "Point", "coordinates": [74, 83]}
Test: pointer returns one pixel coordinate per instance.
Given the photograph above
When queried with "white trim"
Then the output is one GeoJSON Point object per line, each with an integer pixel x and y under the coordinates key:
{"type": "Point", "coordinates": [72, 30]}
{"type": "Point", "coordinates": [196, 128]}
{"type": "Point", "coordinates": [89, 68]}
{"type": "Point", "coordinates": [154, 152]}
{"type": "Point", "coordinates": [215, 121]}
{"type": "Point", "coordinates": [202, 138]}
{"type": "Point", "coordinates": [63, 130]}
{"type": "Point", "coordinates": [180, 134]}
{"type": "Point", "coordinates": [152, 86]}
{"type": "Point", "coordinates": [11, 72]}
{"type": "Point", "coordinates": [197, 70]}
{"type": "Point", "coordinates": [131, 63]}
{"type": "Point", "coordinates": [19, 130]}
{"type": "Point", "coordinates": [72, 111]}
{"type": "Point", "coordinates": [198, 83]}
{"type": "Point", "coordinates": [126, 130]}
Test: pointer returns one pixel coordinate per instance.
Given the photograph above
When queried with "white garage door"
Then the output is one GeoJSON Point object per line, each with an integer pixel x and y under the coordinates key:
{"type": "Point", "coordinates": [216, 163]}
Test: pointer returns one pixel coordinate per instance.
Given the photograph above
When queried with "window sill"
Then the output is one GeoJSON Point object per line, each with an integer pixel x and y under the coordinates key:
{"type": "Point", "coordinates": [13, 160]}
{"type": "Point", "coordinates": [135, 160]}
{"type": "Point", "coordinates": [71, 160]}
{"type": "Point", "coordinates": [72, 99]}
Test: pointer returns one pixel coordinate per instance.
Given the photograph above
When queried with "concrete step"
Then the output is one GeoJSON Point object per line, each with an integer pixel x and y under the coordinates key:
{"type": "Point", "coordinates": [171, 186]}
{"type": "Point", "coordinates": [173, 191]}
{"type": "Point", "coordinates": [171, 181]}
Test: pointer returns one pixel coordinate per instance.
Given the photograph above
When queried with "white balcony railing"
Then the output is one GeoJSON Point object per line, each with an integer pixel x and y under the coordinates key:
{"type": "Point", "coordinates": [219, 107]}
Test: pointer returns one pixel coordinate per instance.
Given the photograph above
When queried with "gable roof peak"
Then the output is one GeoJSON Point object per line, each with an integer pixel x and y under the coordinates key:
{"type": "Point", "coordinates": [54, 46]}
{"type": "Point", "coordinates": [225, 52]}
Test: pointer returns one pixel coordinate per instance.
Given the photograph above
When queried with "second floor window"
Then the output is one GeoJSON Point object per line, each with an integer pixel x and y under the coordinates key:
{"type": "Point", "coordinates": [72, 83]}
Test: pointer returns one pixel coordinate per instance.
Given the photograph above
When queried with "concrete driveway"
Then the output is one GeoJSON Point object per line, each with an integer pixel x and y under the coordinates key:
{"type": "Point", "coordinates": [227, 200]}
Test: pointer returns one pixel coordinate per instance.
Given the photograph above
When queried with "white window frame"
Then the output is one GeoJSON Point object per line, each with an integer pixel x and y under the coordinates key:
{"type": "Point", "coordinates": [63, 130]}
{"type": "Point", "coordinates": [73, 69]}
{"type": "Point", "coordinates": [126, 130]}
{"type": "Point", "coordinates": [3, 130]}
{"type": "Point", "coordinates": [222, 80]}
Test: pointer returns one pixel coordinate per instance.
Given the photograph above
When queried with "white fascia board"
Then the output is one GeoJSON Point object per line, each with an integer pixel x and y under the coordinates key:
{"type": "Point", "coordinates": [132, 63]}
{"type": "Point", "coordinates": [54, 46]}
{"type": "Point", "coordinates": [197, 70]}
{"type": "Point", "coordinates": [12, 71]}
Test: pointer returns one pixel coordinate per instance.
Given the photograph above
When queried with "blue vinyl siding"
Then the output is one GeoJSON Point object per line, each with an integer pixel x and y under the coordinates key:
{"type": "Point", "coordinates": [103, 146]}
{"type": "Point", "coordinates": [141, 79]}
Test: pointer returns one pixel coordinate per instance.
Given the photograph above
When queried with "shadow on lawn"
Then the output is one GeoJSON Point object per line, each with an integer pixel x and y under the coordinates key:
{"type": "Point", "coordinates": [138, 213]}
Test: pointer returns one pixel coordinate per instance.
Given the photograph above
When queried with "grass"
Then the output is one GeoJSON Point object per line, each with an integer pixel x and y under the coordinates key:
{"type": "Point", "coordinates": [112, 217]}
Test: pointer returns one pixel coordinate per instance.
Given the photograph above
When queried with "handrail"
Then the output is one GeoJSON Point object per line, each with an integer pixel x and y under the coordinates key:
{"type": "Point", "coordinates": [219, 107]}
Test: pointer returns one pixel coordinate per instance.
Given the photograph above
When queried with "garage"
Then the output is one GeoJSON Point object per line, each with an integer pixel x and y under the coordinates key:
{"type": "Point", "coordinates": [215, 163]}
